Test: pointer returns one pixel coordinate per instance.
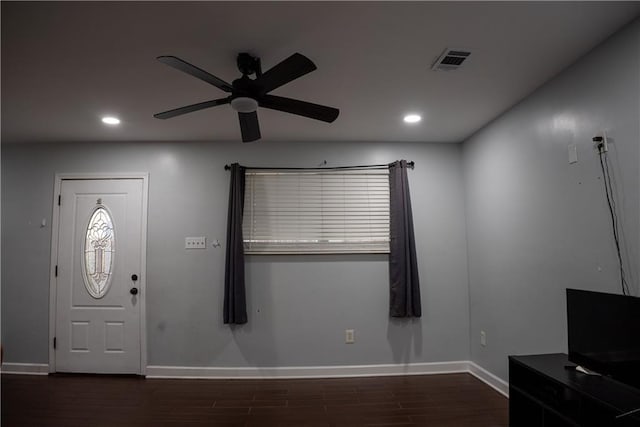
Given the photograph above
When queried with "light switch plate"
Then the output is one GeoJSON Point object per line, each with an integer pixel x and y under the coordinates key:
{"type": "Point", "coordinates": [195, 242]}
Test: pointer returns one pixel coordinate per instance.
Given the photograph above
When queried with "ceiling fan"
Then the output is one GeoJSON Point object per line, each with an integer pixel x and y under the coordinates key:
{"type": "Point", "coordinates": [246, 93]}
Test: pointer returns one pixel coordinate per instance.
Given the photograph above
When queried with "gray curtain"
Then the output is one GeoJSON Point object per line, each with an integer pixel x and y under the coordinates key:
{"type": "Point", "coordinates": [403, 264]}
{"type": "Point", "coordinates": [235, 305]}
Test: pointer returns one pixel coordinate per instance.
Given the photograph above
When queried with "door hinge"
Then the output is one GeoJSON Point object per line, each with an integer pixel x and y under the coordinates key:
{"type": "Point", "coordinates": [59, 199]}
{"type": "Point", "coordinates": [56, 273]}
{"type": "Point", "coordinates": [55, 342]}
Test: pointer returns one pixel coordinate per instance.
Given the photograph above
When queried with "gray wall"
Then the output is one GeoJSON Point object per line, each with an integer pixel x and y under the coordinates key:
{"type": "Point", "coordinates": [537, 224]}
{"type": "Point", "coordinates": [299, 306]}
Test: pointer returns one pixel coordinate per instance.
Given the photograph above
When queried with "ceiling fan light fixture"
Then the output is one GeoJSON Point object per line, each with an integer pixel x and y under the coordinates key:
{"type": "Point", "coordinates": [244, 104]}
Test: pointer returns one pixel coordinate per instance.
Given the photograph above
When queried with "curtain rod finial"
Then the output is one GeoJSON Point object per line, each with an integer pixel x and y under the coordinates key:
{"type": "Point", "coordinates": [227, 167]}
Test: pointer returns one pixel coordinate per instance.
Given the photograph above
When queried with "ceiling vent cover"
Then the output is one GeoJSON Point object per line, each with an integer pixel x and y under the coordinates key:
{"type": "Point", "coordinates": [451, 59]}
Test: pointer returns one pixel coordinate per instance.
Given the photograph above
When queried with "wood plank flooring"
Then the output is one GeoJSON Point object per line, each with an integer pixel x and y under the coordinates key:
{"type": "Point", "coordinates": [458, 400]}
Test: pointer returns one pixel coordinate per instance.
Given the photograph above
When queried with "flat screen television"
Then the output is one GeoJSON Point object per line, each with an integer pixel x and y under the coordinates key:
{"type": "Point", "coordinates": [604, 334]}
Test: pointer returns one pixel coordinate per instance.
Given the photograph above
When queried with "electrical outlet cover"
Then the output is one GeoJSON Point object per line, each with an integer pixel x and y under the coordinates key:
{"type": "Point", "coordinates": [349, 336]}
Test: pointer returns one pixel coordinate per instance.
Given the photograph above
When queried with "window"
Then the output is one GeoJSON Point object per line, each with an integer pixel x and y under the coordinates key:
{"type": "Point", "coordinates": [316, 211]}
{"type": "Point", "coordinates": [99, 244]}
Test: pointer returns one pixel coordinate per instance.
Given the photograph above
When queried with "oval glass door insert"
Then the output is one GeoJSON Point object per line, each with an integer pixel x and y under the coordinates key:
{"type": "Point", "coordinates": [99, 248]}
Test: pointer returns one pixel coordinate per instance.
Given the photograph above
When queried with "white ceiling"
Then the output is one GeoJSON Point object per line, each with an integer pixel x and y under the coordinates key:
{"type": "Point", "coordinates": [64, 65]}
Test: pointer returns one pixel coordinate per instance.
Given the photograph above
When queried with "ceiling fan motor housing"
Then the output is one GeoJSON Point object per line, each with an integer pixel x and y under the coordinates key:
{"type": "Point", "coordinates": [248, 64]}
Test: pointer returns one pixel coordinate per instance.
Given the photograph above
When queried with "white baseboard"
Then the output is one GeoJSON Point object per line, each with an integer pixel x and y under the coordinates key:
{"type": "Point", "coordinates": [25, 368]}
{"type": "Point", "coordinates": [482, 374]}
{"type": "Point", "coordinates": [307, 371]}
{"type": "Point", "coordinates": [156, 371]}
{"type": "Point", "coordinates": [490, 379]}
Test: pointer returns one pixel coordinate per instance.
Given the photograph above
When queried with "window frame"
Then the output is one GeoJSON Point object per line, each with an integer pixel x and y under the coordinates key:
{"type": "Point", "coordinates": [371, 217]}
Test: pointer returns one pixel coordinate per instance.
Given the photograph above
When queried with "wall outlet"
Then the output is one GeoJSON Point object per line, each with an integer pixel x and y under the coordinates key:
{"type": "Point", "coordinates": [483, 338]}
{"type": "Point", "coordinates": [195, 242]}
{"type": "Point", "coordinates": [349, 336]}
{"type": "Point", "coordinates": [601, 143]}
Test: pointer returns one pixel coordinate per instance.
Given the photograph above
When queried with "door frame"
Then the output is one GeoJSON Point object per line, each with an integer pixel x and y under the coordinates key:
{"type": "Point", "coordinates": [55, 225]}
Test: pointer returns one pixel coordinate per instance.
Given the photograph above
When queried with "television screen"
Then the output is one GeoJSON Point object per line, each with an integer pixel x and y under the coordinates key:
{"type": "Point", "coordinates": [604, 334]}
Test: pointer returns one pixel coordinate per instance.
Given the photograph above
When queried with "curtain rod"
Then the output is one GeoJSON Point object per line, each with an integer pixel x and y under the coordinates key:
{"type": "Point", "coordinates": [410, 165]}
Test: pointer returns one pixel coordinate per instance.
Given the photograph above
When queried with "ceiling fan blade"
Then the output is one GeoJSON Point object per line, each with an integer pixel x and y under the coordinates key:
{"type": "Point", "coordinates": [196, 72]}
{"type": "Point", "coordinates": [249, 126]}
{"type": "Point", "coordinates": [301, 108]}
{"type": "Point", "coordinates": [295, 66]}
{"type": "Point", "coordinates": [191, 108]}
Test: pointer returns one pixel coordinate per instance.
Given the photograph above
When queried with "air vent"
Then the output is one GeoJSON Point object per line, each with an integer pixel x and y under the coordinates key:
{"type": "Point", "coordinates": [451, 59]}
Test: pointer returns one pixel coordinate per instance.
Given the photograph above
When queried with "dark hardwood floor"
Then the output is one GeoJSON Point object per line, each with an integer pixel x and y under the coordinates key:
{"type": "Point", "coordinates": [458, 400]}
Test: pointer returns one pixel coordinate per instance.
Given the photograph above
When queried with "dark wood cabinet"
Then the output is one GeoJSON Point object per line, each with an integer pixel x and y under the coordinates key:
{"type": "Point", "coordinates": [546, 391]}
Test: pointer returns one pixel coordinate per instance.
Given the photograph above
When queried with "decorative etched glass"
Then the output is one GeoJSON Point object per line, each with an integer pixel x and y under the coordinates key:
{"type": "Point", "coordinates": [99, 247]}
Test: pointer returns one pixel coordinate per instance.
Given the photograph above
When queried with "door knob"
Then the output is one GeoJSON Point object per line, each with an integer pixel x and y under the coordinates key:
{"type": "Point", "coordinates": [134, 291]}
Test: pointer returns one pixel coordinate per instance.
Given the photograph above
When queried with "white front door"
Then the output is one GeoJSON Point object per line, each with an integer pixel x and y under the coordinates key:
{"type": "Point", "coordinates": [98, 293]}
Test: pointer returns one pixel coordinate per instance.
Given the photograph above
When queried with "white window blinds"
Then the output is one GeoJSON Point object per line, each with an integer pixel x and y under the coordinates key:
{"type": "Point", "coordinates": [316, 211]}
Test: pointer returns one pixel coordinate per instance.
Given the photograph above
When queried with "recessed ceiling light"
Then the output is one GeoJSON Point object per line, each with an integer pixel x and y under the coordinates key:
{"type": "Point", "coordinates": [412, 118]}
{"type": "Point", "coordinates": [111, 120]}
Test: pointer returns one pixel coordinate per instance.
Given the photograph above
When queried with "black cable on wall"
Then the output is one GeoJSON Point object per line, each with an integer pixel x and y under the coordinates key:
{"type": "Point", "coordinates": [611, 203]}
